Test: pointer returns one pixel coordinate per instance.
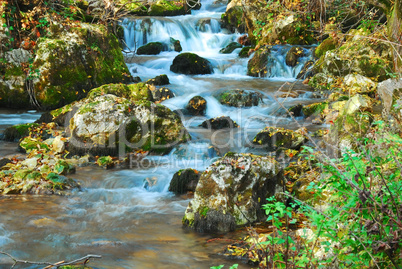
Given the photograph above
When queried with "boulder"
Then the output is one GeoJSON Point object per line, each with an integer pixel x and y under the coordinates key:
{"type": "Point", "coordinates": [107, 125]}
{"type": "Point", "coordinates": [70, 63]}
{"type": "Point", "coordinates": [16, 132]}
{"type": "Point", "coordinates": [152, 48]}
{"type": "Point", "coordinates": [159, 80]}
{"type": "Point", "coordinates": [296, 110]}
{"type": "Point", "coordinates": [175, 45]}
{"type": "Point", "coordinates": [293, 55]}
{"type": "Point", "coordinates": [191, 64]}
{"type": "Point", "coordinates": [184, 181]}
{"type": "Point", "coordinates": [315, 109]}
{"type": "Point", "coordinates": [167, 8]}
{"type": "Point", "coordinates": [273, 138]}
{"type": "Point", "coordinates": [132, 92]}
{"type": "Point", "coordinates": [230, 48]}
{"type": "Point", "coordinates": [162, 94]}
{"type": "Point", "coordinates": [240, 98]}
{"type": "Point", "coordinates": [231, 192]}
{"type": "Point", "coordinates": [196, 106]}
{"type": "Point", "coordinates": [244, 40]}
{"type": "Point", "coordinates": [306, 71]}
{"type": "Point", "coordinates": [257, 65]}
{"type": "Point", "coordinates": [219, 123]}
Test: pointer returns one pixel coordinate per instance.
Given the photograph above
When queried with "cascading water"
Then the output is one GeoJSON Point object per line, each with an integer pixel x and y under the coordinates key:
{"type": "Point", "coordinates": [128, 216]}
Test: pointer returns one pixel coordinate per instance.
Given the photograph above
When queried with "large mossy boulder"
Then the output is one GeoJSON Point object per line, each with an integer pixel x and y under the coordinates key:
{"type": "Point", "coordinates": [184, 181]}
{"type": "Point", "coordinates": [108, 125]}
{"type": "Point", "coordinates": [361, 54]}
{"type": "Point", "coordinates": [257, 65]}
{"type": "Point", "coordinates": [240, 98]}
{"type": "Point", "coordinates": [191, 64]}
{"type": "Point", "coordinates": [231, 192]}
{"type": "Point", "coordinates": [326, 45]}
{"type": "Point", "coordinates": [70, 63]}
{"type": "Point", "coordinates": [274, 138]}
{"type": "Point", "coordinates": [156, 8]}
{"type": "Point", "coordinates": [152, 48]}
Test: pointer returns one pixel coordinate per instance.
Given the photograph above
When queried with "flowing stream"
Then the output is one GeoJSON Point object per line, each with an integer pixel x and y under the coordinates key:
{"type": "Point", "coordinates": [116, 214]}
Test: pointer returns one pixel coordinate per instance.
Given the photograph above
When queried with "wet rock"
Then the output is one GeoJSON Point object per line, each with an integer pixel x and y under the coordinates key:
{"type": "Point", "coordinates": [293, 56]}
{"type": "Point", "coordinates": [107, 125]}
{"type": "Point", "coordinates": [175, 45]}
{"type": "Point", "coordinates": [231, 191]}
{"type": "Point", "coordinates": [219, 123]}
{"type": "Point", "coordinates": [196, 106]}
{"type": "Point", "coordinates": [257, 65]}
{"type": "Point", "coordinates": [132, 92]}
{"type": "Point", "coordinates": [162, 94]}
{"type": "Point", "coordinates": [203, 25]}
{"type": "Point", "coordinates": [184, 181]}
{"type": "Point", "coordinates": [4, 161]}
{"type": "Point", "coordinates": [191, 64]}
{"type": "Point", "coordinates": [240, 98]}
{"type": "Point", "coordinates": [167, 8]}
{"type": "Point", "coordinates": [273, 138]}
{"type": "Point", "coordinates": [16, 132]}
{"type": "Point", "coordinates": [306, 71]}
{"type": "Point", "coordinates": [230, 48]}
{"type": "Point", "coordinates": [159, 80]}
{"type": "Point", "coordinates": [244, 53]}
{"type": "Point", "coordinates": [152, 48]}
{"type": "Point", "coordinates": [296, 110]}
{"type": "Point", "coordinates": [46, 117]}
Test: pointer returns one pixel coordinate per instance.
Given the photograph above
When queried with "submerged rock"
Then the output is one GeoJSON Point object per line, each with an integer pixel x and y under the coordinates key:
{"type": "Point", "coordinates": [231, 192]}
{"type": "Point", "coordinates": [230, 48]}
{"type": "Point", "coordinates": [273, 138]}
{"type": "Point", "coordinates": [184, 181]}
{"type": "Point", "coordinates": [240, 98]}
{"type": "Point", "coordinates": [107, 125]}
{"type": "Point", "coordinates": [191, 64]}
{"type": "Point", "coordinates": [219, 123]}
{"type": "Point", "coordinates": [197, 106]}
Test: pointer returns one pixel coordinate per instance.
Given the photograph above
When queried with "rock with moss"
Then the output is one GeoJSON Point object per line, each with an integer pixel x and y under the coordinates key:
{"type": "Point", "coordinates": [326, 45]}
{"type": "Point", "coordinates": [191, 64]}
{"type": "Point", "coordinates": [359, 54]}
{"type": "Point", "coordinates": [168, 8]}
{"type": "Point", "coordinates": [293, 55]}
{"type": "Point", "coordinates": [70, 63]}
{"type": "Point", "coordinates": [230, 48]}
{"type": "Point", "coordinates": [274, 138]}
{"type": "Point", "coordinates": [162, 94]}
{"type": "Point", "coordinates": [244, 53]}
{"type": "Point", "coordinates": [108, 125]}
{"type": "Point", "coordinates": [175, 45]}
{"type": "Point", "coordinates": [231, 191]}
{"type": "Point", "coordinates": [152, 48]}
{"type": "Point", "coordinates": [197, 106]}
{"type": "Point", "coordinates": [321, 81]}
{"type": "Point", "coordinates": [257, 65]}
{"type": "Point", "coordinates": [105, 162]}
{"type": "Point", "coordinates": [315, 109]}
{"type": "Point", "coordinates": [184, 181]}
{"type": "Point", "coordinates": [16, 132]}
{"type": "Point", "coordinates": [222, 122]}
{"type": "Point", "coordinates": [240, 98]}
{"type": "Point", "coordinates": [13, 93]}
{"type": "Point", "coordinates": [159, 80]}
{"type": "Point", "coordinates": [306, 71]}
{"type": "Point", "coordinates": [132, 92]}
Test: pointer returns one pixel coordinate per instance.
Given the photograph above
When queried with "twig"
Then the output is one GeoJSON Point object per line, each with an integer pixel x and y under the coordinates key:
{"type": "Point", "coordinates": [49, 264]}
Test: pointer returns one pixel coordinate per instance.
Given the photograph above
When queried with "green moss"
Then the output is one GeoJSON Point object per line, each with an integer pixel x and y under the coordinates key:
{"type": "Point", "coordinates": [314, 109]}
{"type": "Point", "coordinates": [12, 71]}
{"type": "Point", "coordinates": [326, 45]}
{"type": "Point", "coordinates": [167, 8]}
{"type": "Point", "coordinates": [244, 52]}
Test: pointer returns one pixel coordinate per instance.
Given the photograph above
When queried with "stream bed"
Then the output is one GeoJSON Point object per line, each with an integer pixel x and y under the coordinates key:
{"type": "Point", "coordinates": [116, 214]}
